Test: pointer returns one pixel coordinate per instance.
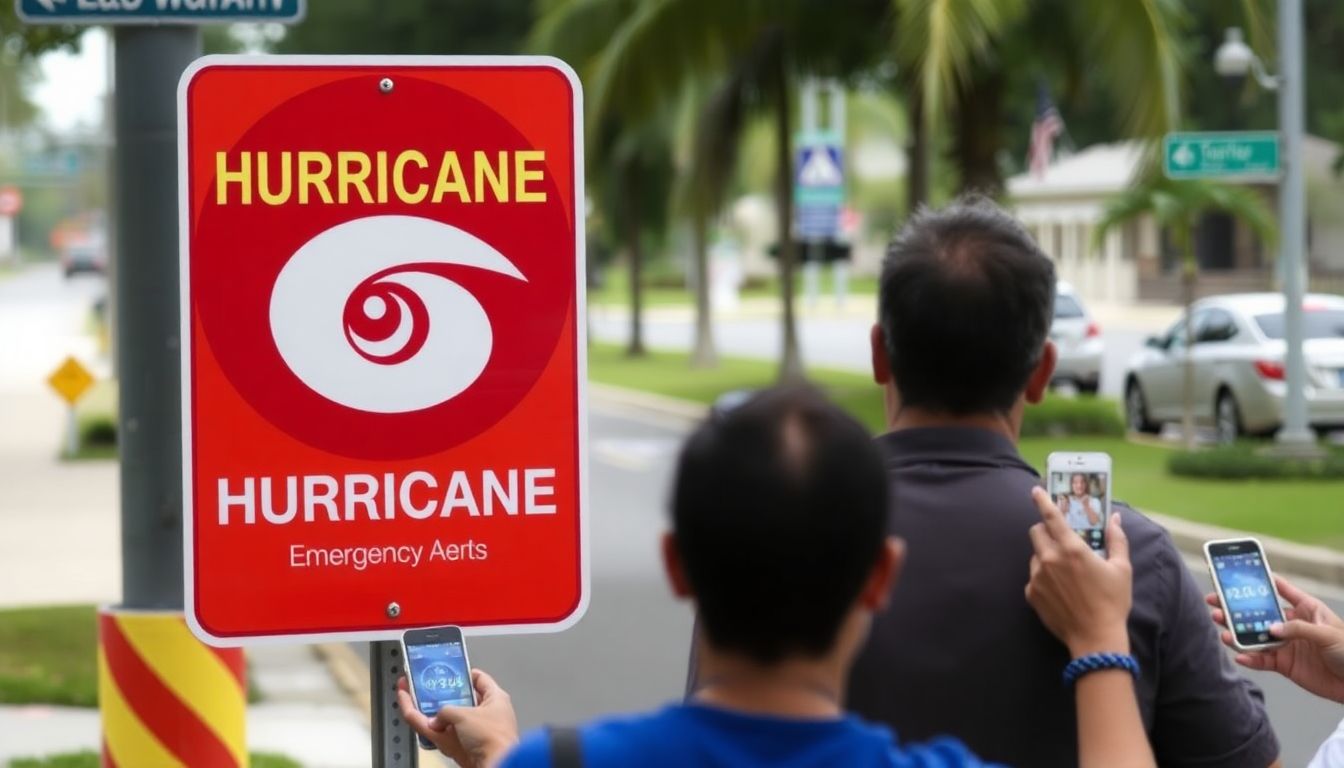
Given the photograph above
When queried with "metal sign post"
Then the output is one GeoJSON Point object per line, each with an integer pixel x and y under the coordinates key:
{"type": "Point", "coordinates": [395, 745]}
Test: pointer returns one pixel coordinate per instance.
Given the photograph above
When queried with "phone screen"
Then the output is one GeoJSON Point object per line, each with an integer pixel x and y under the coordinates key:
{"type": "Point", "coordinates": [1084, 498]}
{"type": "Point", "coordinates": [439, 672]}
{"type": "Point", "coordinates": [1248, 594]}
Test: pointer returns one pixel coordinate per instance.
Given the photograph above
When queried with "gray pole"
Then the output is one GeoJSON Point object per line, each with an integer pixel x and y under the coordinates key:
{"type": "Point", "coordinates": [1292, 221]}
{"type": "Point", "coordinates": [149, 61]}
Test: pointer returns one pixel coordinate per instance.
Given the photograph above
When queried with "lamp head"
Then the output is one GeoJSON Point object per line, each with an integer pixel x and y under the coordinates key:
{"type": "Point", "coordinates": [1234, 58]}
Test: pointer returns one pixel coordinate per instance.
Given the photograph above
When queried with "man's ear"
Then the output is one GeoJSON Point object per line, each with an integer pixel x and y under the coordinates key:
{"type": "Point", "coordinates": [676, 572]}
{"type": "Point", "coordinates": [880, 362]}
{"type": "Point", "coordinates": [1039, 382]}
{"type": "Point", "coordinates": [882, 579]}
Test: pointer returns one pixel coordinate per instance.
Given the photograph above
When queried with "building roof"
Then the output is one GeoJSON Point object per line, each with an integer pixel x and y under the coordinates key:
{"type": "Point", "coordinates": [1097, 170]}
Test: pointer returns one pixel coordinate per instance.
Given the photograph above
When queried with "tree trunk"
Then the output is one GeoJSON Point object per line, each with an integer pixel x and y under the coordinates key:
{"type": "Point", "coordinates": [703, 354]}
{"type": "Point", "coordinates": [977, 133]}
{"type": "Point", "coordinates": [916, 154]}
{"type": "Point", "coordinates": [791, 361]}
{"type": "Point", "coordinates": [635, 253]}
{"type": "Point", "coordinates": [1188, 268]}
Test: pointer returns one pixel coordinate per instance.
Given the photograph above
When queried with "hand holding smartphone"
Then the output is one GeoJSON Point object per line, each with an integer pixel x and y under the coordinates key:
{"type": "Point", "coordinates": [1245, 587]}
{"type": "Point", "coordinates": [438, 670]}
{"type": "Point", "coordinates": [1080, 484]}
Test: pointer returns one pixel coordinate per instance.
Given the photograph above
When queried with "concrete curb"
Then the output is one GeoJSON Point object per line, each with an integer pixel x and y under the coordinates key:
{"type": "Point", "coordinates": [1321, 565]}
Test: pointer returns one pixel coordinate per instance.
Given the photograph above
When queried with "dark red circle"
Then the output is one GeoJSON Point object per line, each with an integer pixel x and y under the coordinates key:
{"type": "Point", "coordinates": [238, 250]}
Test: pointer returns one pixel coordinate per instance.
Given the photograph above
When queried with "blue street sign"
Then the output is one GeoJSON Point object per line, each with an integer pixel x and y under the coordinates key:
{"type": "Point", "coordinates": [818, 186]}
{"type": "Point", "coordinates": [158, 11]}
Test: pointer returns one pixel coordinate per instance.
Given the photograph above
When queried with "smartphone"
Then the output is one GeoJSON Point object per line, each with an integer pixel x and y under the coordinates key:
{"type": "Point", "coordinates": [438, 670]}
{"type": "Point", "coordinates": [1245, 587]}
{"type": "Point", "coordinates": [1080, 484]}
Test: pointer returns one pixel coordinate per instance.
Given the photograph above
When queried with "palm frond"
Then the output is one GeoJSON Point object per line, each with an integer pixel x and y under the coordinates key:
{"type": "Point", "coordinates": [1137, 52]}
{"type": "Point", "coordinates": [942, 40]}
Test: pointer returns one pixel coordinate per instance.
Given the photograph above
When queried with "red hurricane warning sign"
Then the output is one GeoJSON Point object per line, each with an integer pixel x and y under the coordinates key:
{"type": "Point", "coordinates": [382, 282]}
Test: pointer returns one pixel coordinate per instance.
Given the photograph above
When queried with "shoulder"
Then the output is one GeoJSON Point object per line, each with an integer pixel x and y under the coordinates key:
{"type": "Point", "coordinates": [607, 741]}
{"type": "Point", "coordinates": [939, 753]}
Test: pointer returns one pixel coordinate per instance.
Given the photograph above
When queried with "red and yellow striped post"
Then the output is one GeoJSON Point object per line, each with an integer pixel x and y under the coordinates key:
{"type": "Point", "coordinates": [166, 699]}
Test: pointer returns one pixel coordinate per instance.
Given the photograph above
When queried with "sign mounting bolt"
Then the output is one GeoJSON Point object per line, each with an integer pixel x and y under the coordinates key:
{"type": "Point", "coordinates": [393, 610]}
{"type": "Point", "coordinates": [385, 85]}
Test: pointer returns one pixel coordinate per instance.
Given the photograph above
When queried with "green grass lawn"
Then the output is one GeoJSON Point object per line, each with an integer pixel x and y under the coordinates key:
{"type": "Point", "coordinates": [49, 655]}
{"type": "Point", "coordinates": [615, 289]}
{"type": "Point", "coordinates": [91, 760]}
{"type": "Point", "coordinates": [1306, 511]}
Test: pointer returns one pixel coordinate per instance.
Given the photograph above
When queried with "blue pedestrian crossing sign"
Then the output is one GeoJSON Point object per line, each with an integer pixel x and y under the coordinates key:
{"type": "Point", "coordinates": [818, 186]}
{"type": "Point", "coordinates": [158, 11]}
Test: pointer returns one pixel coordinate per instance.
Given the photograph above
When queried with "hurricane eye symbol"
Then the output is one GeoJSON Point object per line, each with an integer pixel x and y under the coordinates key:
{"type": "Point", "coordinates": [365, 314]}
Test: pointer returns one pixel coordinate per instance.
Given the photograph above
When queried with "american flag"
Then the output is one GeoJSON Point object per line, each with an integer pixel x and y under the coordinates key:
{"type": "Point", "coordinates": [1047, 125]}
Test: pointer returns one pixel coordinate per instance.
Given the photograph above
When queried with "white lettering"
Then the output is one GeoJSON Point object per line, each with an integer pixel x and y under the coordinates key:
{"type": "Point", "coordinates": [326, 498]}
{"type": "Point", "coordinates": [459, 495]}
{"type": "Point", "coordinates": [246, 500]}
{"type": "Point", "coordinates": [291, 501]}
{"type": "Point", "coordinates": [495, 491]}
{"type": "Point", "coordinates": [423, 478]}
{"type": "Point", "coordinates": [533, 489]}
{"type": "Point", "coordinates": [365, 496]}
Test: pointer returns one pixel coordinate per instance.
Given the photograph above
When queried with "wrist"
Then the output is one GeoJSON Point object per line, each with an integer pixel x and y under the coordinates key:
{"type": "Point", "coordinates": [493, 749]}
{"type": "Point", "coordinates": [1112, 640]}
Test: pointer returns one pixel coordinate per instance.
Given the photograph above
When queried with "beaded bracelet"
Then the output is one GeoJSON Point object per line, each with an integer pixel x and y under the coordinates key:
{"type": "Point", "coordinates": [1095, 662]}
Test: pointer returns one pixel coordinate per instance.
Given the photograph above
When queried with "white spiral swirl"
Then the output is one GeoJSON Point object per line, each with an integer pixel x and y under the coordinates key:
{"type": "Point", "coordinates": [410, 368]}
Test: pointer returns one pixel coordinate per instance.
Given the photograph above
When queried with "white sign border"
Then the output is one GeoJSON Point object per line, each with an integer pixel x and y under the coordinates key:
{"type": "Point", "coordinates": [184, 299]}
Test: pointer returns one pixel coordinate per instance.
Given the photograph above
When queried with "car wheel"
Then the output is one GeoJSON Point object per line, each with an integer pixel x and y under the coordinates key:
{"type": "Point", "coordinates": [1227, 418]}
{"type": "Point", "coordinates": [1136, 411]}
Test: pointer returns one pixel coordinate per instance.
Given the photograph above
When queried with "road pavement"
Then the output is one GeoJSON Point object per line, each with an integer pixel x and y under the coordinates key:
{"type": "Point", "coordinates": [838, 338]}
{"type": "Point", "coordinates": [629, 652]}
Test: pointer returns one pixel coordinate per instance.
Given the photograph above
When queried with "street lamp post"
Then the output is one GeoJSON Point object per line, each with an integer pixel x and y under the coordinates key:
{"type": "Point", "coordinates": [1235, 59]}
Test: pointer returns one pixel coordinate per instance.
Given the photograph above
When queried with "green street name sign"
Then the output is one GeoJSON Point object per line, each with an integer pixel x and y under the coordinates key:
{"type": "Point", "coordinates": [1229, 156]}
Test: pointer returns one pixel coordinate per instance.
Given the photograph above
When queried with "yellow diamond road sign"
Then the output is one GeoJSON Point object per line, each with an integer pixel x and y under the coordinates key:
{"type": "Point", "coordinates": [71, 380]}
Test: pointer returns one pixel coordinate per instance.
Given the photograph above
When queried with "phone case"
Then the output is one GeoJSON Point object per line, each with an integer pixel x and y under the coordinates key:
{"type": "Point", "coordinates": [1222, 601]}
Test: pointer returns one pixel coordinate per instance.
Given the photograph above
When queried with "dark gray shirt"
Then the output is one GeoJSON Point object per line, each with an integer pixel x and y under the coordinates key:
{"type": "Point", "coordinates": [960, 652]}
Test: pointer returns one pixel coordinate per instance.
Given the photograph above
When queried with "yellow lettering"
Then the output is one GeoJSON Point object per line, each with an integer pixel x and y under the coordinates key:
{"type": "Point", "coordinates": [382, 176]}
{"type": "Point", "coordinates": [264, 179]}
{"type": "Point", "coordinates": [224, 177]}
{"type": "Point", "coordinates": [347, 177]}
{"type": "Point", "coordinates": [316, 179]}
{"type": "Point", "coordinates": [399, 176]}
{"type": "Point", "coordinates": [496, 176]}
{"type": "Point", "coordinates": [522, 175]}
{"type": "Point", "coordinates": [450, 180]}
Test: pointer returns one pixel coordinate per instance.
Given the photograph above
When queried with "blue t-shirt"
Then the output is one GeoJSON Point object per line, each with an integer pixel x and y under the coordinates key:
{"type": "Point", "coordinates": [682, 735]}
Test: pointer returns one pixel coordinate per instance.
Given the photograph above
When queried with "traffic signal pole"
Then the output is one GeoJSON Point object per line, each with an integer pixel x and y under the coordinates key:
{"type": "Point", "coordinates": [164, 698]}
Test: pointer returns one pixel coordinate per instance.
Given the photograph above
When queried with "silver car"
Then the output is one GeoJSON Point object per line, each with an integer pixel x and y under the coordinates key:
{"type": "Point", "coordinates": [1077, 338]}
{"type": "Point", "coordinates": [1238, 358]}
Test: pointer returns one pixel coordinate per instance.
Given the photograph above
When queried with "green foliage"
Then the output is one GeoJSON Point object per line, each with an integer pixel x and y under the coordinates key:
{"type": "Point", "coordinates": [49, 656]}
{"type": "Point", "coordinates": [92, 760]}
{"type": "Point", "coordinates": [96, 422]}
{"type": "Point", "coordinates": [1247, 461]}
{"type": "Point", "coordinates": [410, 27]}
{"type": "Point", "coordinates": [28, 41]}
{"type": "Point", "coordinates": [1073, 416]}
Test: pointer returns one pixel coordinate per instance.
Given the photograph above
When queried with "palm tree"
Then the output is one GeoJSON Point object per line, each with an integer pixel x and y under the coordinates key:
{"type": "Point", "coordinates": [963, 54]}
{"type": "Point", "coordinates": [1177, 206]}
{"type": "Point", "coordinates": [646, 52]}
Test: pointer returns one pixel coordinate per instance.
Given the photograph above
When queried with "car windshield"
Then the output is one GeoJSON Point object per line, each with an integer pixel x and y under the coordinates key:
{"type": "Point", "coordinates": [1316, 324]}
{"type": "Point", "coordinates": [1067, 307]}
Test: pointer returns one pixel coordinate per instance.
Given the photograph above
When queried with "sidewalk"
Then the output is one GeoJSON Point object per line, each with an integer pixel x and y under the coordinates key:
{"type": "Point", "coordinates": [303, 716]}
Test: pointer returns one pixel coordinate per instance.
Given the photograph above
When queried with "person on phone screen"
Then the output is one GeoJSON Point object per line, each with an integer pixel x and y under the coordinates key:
{"type": "Point", "coordinates": [1084, 510]}
{"type": "Point", "coordinates": [1312, 655]}
{"type": "Point", "coordinates": [787, 478]}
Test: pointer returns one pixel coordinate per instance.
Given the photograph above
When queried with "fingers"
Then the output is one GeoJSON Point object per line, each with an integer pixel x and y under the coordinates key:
{"type": "Point", "coordinates": [1257, 661]}
{"type": "Point", "coordinates": [1218, 617]}
{"type": "Point", "coordinates": [1117, 543]}
{"type": "Point", "coordinates": [1212, 599]}
{"type": "Point", "coordinates": [1316, 634]}
{"type": "Point", "coordinates": [1291, 593]}
{"type": "Point", "coordinates": [1051, 516]}
{"type": "Point", "coordinates": [1041, 542]}
{"type": "Point", "coordinates": [486, 687]}
{"type": "Point", "coordinates": [413, 716]}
